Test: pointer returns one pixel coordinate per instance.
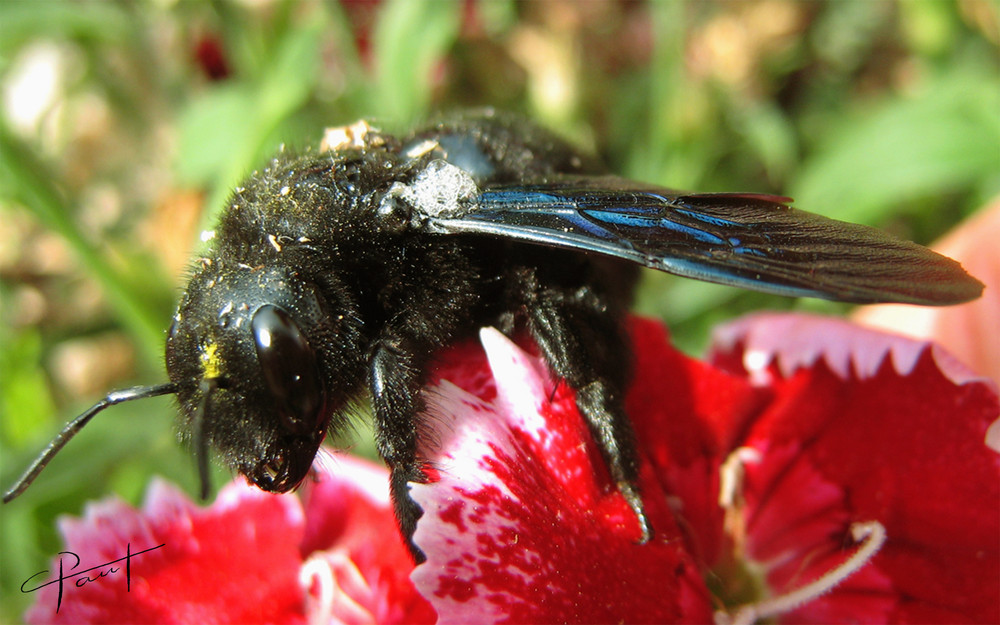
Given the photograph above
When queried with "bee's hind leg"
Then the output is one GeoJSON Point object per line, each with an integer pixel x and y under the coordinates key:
{"type": "Point", "coordinates": [584, 341]}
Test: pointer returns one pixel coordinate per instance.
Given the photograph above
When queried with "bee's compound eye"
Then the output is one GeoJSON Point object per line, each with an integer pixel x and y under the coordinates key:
{"type": "Point", "coordinates": [290, 369]}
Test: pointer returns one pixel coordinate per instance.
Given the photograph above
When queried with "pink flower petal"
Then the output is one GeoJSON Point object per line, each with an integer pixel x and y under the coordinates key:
{"type": "Point", "coordinates": [688, 416]}
{"type": "Point", "coordinates": [357, 565]}
{"type": "Point", "coordinates": [236, 562]}
{"type": "Point", "coordinates": [796, 341]}
{"type": "Point", "coordinates": [523, 524]}
{"type": "Point", "coordinates": [866, 427]}
{"type": "Point", "coordinates": [969, 331]}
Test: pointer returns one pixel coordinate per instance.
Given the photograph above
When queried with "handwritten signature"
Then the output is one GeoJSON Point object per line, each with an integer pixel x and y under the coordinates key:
{"type": "Point", "coordinates": [86, 579]}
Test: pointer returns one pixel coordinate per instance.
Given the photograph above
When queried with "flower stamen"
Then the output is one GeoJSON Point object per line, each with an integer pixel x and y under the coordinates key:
{"type": "Point", "coordinates": [870, 535]}
{"type": "Point", "coordinates": [732, 474]}
{"type": "Point", "coordinates": [338, 578]}
{"type": "Point", "coordinates": [317, 569]}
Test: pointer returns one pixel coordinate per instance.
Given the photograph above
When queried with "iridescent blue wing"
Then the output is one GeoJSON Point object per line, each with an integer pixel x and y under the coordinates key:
{"type": "Point", "coordinates": [747, 240]}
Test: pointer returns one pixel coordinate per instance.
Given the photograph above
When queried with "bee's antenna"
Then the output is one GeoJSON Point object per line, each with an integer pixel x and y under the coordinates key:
{"type": "Point", "coordinates": [74, 426]}
{"type": "Point", "coordinates": [199, 440]}
{"type": "Point", "coordinates": [198, 437]}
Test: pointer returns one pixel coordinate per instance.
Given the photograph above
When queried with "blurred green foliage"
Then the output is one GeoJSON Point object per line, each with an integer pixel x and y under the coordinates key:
{"type": "Point", "coordinates": [125, 125]}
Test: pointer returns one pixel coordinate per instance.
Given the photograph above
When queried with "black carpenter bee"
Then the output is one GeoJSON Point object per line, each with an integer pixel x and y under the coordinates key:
{"type": "Point", "coordinates": [342, 271]}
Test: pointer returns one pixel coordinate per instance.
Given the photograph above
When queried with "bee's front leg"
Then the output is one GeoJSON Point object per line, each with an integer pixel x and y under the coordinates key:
{"type": "Point", "coordinates": [396, 380]}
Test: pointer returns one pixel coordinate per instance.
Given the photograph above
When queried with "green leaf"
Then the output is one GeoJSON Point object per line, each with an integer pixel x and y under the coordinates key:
{"type": "Point", "coordinates": [943, 140]}
{"type": "Point", "coordinates": [771, 136]}
{"type": "Point", "coordinates": [226, 133]}
{"type": "Point", "coordinates": [289, 79]}
{"type": "Point", "coordinates": [22, 22]}
{"type": "Point", "coordinates": [27, 180]}
{"type": "Point", "coordinates": [409, 38]}
{"type": "Point", "coordinates": [211, 130]}
{"type": "Point", "coordinates": [25, 402]}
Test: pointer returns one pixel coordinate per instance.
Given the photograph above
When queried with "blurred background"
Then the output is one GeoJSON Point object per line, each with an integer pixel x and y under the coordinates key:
{"type": "Point", "coordinates": [125, 124]}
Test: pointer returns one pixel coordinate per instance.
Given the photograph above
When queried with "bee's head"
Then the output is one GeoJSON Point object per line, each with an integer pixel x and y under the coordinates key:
{"type": "Point", "coordinates": [257, 355]}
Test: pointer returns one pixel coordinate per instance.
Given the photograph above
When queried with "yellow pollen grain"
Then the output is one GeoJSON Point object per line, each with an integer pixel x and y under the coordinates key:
{"type": "Point", "coordinates": [210, 361]}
